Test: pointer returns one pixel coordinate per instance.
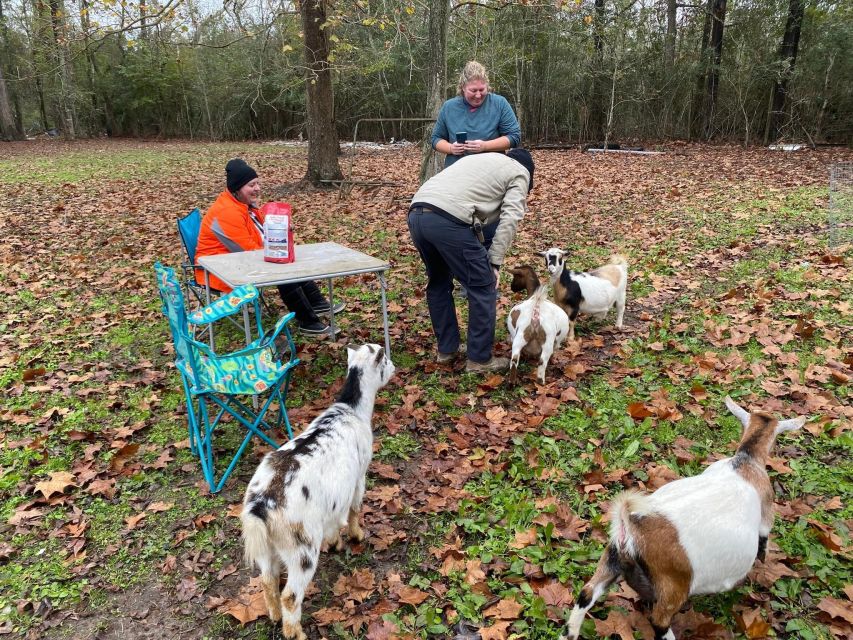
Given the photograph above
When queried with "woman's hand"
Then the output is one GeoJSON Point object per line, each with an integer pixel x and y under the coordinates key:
{"type": "Point", "coordinates": [475, 146]}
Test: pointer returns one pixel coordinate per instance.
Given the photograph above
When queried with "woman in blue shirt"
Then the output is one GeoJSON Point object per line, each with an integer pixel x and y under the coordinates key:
{"type": "Point", "coordinates": [486, 118]}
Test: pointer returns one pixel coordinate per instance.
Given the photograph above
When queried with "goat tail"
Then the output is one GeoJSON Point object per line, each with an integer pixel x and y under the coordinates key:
{"type": "Point", "coordinates": [622, 532]}
{"type": "Point", "coordinates": [257, 543]}
{"type": "Point", "coordinates": [540, 295]}
{"type": "Point", "coordinates": [618, 258]}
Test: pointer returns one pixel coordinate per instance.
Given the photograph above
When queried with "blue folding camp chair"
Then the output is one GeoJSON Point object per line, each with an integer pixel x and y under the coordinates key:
{"type": "Point", "coordinates": [188, 228]}
{"type": "Point", "coordinates": [214, 383]}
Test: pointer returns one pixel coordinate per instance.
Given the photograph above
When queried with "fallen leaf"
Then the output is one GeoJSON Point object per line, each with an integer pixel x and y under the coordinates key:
{"type": "Point", "coordinates": [59, 481]}
{"type": "Point", "coordinates": [133, 521]}
{"type": "Point", "coordinates": [837, 608]}
{"type": "Point", "coordinates": [411, 595]}
{"type": "Point", "coordinates": [248, 606]}
{"type": "Point", "coordinates": [160, 506]}
{"type": "Point", "coordinates": [750, 622]}
{"type": "Point", "coordinates": [556, 595]}
{"type": "Point", "coordinates": [616, 623]}
{"type": "Point", "coordinates": [505, 609]}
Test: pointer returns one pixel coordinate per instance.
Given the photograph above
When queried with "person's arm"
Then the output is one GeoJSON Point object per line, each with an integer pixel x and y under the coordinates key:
{"type": "Point", "coordinates": [441, 135]}
{"type": "Point", "coordinates": [512, 211]}
{"type": "Point", "coordinates": [509, 126]}
{"type": "Point", "coordinates": [232, 232]}
{"type": "Point", "coordinates": [481, 146]}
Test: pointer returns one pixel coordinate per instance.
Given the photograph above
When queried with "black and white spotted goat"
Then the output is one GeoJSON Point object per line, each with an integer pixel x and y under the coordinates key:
{"type": "Point", "coordinates": [593, 293]}
{"type": "Point", "coordinates": [303, 494]}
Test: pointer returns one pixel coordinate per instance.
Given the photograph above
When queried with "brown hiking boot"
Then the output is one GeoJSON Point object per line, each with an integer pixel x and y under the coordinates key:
{"type": "Point", "coordinates": [444, 358]}
{"type": "Point", "coordinates": [494, 364]}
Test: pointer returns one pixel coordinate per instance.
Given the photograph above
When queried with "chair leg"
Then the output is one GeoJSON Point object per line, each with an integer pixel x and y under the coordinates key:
{"type": "Point", "coordinates": [192, 418]}
{"type": "Point", "coordinates": [204, 421]}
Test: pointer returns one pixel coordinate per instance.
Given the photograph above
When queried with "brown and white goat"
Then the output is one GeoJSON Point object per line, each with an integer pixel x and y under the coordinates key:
{"type": "Point", "coordinates": [692, 536]}
{"type": "Point", "coordinates": [303, 493]}
{"type": "Point", "coordinates": [592, 293]}
{"type": "Point", "coordinates": [537, 327]}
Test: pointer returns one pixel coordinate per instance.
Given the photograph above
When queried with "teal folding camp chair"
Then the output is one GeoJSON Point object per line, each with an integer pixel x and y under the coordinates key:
{"type": "Point", "coordinates": [213, 384]}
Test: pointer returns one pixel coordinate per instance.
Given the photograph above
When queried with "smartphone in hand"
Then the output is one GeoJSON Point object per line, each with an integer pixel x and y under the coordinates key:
{"type": "Point", "coordinates": [461, 137]}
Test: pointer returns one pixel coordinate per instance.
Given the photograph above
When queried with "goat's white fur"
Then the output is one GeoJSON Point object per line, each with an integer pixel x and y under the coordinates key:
{"type": "Point", "coordinates": [303, 494]}
{"type": "Point", "coordinates": [599, 292]}
{"type": "Point", "coordinates": [720, 517]}
{"type": "Point", "coordinates": [537, 310]}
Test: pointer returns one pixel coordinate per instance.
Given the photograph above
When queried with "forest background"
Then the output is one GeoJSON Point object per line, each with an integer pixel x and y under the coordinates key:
{"type": "Point", "coordinates": [750, 71]}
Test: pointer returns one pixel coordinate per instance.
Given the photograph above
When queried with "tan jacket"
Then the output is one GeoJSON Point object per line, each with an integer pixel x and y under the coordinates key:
{"type": "Point", "coordinates": [485, 186]}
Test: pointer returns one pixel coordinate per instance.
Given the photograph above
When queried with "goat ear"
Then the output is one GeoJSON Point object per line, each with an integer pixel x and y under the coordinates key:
{"type": "Point", "coordinates": [739, 413]}
{"type": "Point", "coordinates": [790, 425]}
{"type": "Point", "coordinates": [544, 254]}
{"type": "Point", "coordinates": [351, 351]}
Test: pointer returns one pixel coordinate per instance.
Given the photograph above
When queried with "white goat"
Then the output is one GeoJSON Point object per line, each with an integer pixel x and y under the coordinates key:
{"type": "Point", "coordinates": [303, 493]}
{"type": "Point", "coordinates": [593, 293]}
{"type": "Point", "coordinates": [537, 327]}
{"type": "Point", "coordinates": [692, 536]}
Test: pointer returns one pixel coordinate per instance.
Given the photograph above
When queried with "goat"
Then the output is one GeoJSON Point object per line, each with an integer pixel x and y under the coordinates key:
{"type": "Point", "coordinates": [303, 493]}
{"type": "Point", "coordinates": [692, 536]}
{"type": "Point", "coordinates": [537, 327]}
{"type": "Point", "coordinates": [592, 293]}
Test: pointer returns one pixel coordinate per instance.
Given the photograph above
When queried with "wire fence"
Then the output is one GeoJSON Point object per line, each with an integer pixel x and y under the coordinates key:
{"type": "Point", "coordinates": [840, 203]}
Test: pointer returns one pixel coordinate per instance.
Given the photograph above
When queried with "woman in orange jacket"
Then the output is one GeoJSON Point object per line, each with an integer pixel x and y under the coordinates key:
{"type": "Point", "coordinates": [234, 223]}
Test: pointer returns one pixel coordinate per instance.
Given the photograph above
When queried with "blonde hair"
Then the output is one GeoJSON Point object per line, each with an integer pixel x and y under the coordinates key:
{"type": "Point", "coordinates": [472, 70]}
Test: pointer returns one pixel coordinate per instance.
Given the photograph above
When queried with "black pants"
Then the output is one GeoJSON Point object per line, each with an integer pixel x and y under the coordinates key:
{"type": "Point", "coordinates": [451, 250]}
{"type": "Point", "coordinates": [301, 298]}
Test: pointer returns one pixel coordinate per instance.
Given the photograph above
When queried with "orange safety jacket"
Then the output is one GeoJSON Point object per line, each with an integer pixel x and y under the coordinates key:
{"type": "Point", "coordinates": [227, 227]}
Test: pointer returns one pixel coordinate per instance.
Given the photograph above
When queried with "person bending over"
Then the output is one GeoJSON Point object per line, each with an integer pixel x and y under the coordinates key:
{"type": "Point", "coordinates": [447, 218]}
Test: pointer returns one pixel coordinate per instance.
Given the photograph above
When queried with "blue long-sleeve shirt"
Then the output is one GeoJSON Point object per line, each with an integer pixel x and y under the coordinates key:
{"type": "Point", "coordinates": [492, 119]}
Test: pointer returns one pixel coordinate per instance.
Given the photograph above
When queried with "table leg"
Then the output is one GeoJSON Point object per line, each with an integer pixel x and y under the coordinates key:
{"type": "Point", "coordinates": [383, 286]}
{"type": "Point", "coordinates": [331, 309]}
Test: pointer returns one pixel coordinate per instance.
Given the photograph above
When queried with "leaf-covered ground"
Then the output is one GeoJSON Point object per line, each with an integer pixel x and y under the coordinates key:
{"type": "Point", "coordinates": [486, 505]}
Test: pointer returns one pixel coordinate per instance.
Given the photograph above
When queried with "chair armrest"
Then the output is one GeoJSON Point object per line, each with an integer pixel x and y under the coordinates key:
{"type": "Point", "coordinates": [225, 306]}
{"type": "Point", "coordinates": [267, 341]}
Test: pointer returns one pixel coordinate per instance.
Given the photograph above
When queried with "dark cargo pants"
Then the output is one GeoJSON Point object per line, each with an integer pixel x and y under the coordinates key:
{"type": "Point", "coordinates": [451, 250]}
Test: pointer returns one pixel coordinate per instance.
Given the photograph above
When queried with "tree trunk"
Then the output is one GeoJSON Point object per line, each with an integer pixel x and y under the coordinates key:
{"type": "Point", "coordinates": [787, 59]}
{"type": "Point", "coordinates": [323, 145]}
{"type": "Point", "coordinates": [718, 20]}
{"type": "Point", "coordinates": [597, 115]}
{"type": "Point", "coordinates": [65, 103]}
{"type": "Point", "coordinates": [432, 162]}
{"type": "Point", "coordinates": [7, 119]}
{"type": "Point", "coordinates": [699, 96]}
{"type": "Point", "coordinates": [669, 43]}
{"type": "Point", "coordinates": [11, 124]}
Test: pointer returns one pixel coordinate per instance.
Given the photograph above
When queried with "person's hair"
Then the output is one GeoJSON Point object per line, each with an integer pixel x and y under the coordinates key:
{"type": "Point", "coordinates": [472, 70]}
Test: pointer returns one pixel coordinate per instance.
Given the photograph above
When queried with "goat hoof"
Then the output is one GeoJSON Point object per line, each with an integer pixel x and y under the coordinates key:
{"type": "Point", "coordinates": [293, 632]}
{"type": "Point", "coordinates": [356, 533]}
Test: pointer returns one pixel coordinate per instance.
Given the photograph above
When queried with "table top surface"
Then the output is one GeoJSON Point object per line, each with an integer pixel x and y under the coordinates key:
{"type": "Point", "coordinates": [313, 261]}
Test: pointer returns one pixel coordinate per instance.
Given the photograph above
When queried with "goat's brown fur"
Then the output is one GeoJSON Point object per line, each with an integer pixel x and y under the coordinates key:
{"type": "Point", "coordinates": [609, 272]}
{"type": "Point", "coordinates": [667, 563]}
{"type": "Point", "coordinates": [524, 278]}
{"type": "Point", "coordinates": [751, 460]}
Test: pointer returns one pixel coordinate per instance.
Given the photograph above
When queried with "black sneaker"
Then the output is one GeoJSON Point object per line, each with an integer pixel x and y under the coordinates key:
{"type": "Point", "coordinates": [323, 307]}
{"type": "Point", "coordinates": [315, 328]}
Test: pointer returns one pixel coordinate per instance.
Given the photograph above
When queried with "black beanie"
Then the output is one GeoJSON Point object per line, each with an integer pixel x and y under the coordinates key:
{"type": "Point", "coordinates": [523, 157]}
{"type": "Point", "coordinates": [238, 174]}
